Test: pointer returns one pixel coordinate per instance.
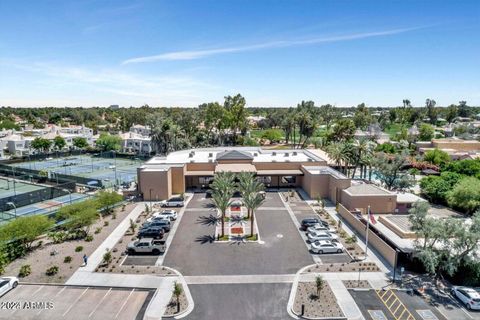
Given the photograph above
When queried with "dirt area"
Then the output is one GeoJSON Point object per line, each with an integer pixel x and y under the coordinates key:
{"type": "Point", "coordinates": [41, 258]}
{"type": "Point", "coordinates": [119, 254]}
{"type": "Point", "coordinates": [172, 305]}
{"type": "Point", "coordinates": [355, 284]}
{"type": "Point", "coordinates": [322, 306]}
{"type": "Point", "coordinates": [344, 267]}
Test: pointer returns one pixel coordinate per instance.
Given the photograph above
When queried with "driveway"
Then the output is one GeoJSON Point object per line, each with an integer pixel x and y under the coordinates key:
{"type": "Point", "coordinates": [74, 302]}
{"type": "Point", "coordinates": [240, 301]}
{"type": "Point", "coordinates": [192, 252]}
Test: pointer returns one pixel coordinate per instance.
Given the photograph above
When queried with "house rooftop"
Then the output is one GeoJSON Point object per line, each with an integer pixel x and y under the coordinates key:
{"type": "Point", "coordinates": [367, 189]}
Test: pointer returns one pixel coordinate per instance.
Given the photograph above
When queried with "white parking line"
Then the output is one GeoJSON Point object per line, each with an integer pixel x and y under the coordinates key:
{"type": "Point", "coordinates": [100, 302]}
{"type": "Point", "coordinates": [76, 300]}
{"type": "Point", "coordinates": [124, 303]}
{"type": "Point", "coordinates": [53, 298]}
{"type": "Point", "coordinates": [172, 232]}
{"type": "Point", "coordinates": [40, 288]}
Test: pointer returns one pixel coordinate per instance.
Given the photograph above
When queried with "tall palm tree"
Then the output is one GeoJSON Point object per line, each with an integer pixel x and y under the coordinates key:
{"type": "Point", "coordinates": [252, 202]}
{"type": "Point", "coordinates": [250, 189]}
{"type": "Point", "coordinates": [334, 151]}
{"type": "Point", "coordinates": [223, 187]}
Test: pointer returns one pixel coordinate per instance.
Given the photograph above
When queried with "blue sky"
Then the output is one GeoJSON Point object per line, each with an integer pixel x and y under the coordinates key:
{"type": "Point", "coordinates": [275, 53]}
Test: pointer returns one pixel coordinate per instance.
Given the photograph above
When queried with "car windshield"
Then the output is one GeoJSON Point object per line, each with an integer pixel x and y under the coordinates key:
{"type": "Point", "coordinates": [3, 283]}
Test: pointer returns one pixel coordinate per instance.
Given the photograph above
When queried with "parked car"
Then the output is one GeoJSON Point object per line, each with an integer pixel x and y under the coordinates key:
{"type": "Point", "coordinates": [146, 245]}
{"type": "Point", "coordinates": [320, 227]}
{"type": "Point", "coordinates": [153, 232]}
{"type": "Point", "coordinates": [469, 296]}
{"type": "Point", "coordinates": [173, 202]}
{"type": "Point", "coordinates": [308, 222]}
{"type": "Point", "coordinates": [321, 235]}
{"type": "Point", "coordinates": [326, 246]}
{"type": "Point", "coordinates": [157, 217]}
{"type": "Point", "coordinates": [170, 214]}
{"type": "Point", "coordinates": [163, 223]}
{"type": "Point", "coordinates": [7, 284]}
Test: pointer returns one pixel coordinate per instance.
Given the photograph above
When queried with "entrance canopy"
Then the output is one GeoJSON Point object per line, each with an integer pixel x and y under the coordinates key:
{"type": "Point", "coordinates": [235, 167]}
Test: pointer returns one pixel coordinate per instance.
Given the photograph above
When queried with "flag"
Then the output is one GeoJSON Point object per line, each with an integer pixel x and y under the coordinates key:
{"type": "Point", "coordinates": [371, 217]}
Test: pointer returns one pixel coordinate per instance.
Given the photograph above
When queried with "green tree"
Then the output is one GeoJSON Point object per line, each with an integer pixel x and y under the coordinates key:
{"type": "Point", "coordinates": [41, 144]}
{"type": "Point", "coordinates": [319, 284]}
{"type": "Point", "coordinates": [432, 113]}
{"type": "Point", "coordinates": [435, 188]}
{"type": "Point", "coordinates": [107, 142]}
{"type": "Point", "coordinates": [343, 130]}
{"type": "Point", "coordinates": [425, 132]}
{"type": "Point", "coordinates": [236, 114]}
{"type": "Point", "coordinates": [78, 216]}
{"type": "Point", "coordinates": [59, 142]}
{"type": "Point", "coordinates": [177, 292]}
{"type": "Point", "coordinates": [465, 195]}
{"type": "Point", "coordinates": [386, 147]}
{"type": "Point", "coordinates": [25, 229]}
{"type": "Point", "coordinates": [389, 170]}
{"type": "Point", "coordinates": [80, 143]}
{"type": "Point", "coordinates": [274, 135]}
{"type": "Point", "coordinates": [252, 199]}
{"type": "Point", "coordinates": [436, 156]}
{"type": "Point", "coordinates": [106, 199]}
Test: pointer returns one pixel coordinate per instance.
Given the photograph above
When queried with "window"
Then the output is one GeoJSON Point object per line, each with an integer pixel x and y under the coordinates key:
{"type": "Point", "coordinates": [205, 180]}
{"type": "Point", "coordinates": [289, 179]}
{"type": "Point", "coordinates": [265, 180]}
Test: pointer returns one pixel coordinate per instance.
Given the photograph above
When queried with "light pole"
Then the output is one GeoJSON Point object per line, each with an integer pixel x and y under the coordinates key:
{"type": "Point", "coordinates": [14, 208]}
{"type": "Point", "coordinates": [115, 167]}
{"type": "Point", "coordinates": [151, 206]}
{"type": "Point", "coordinates": [366, 243]}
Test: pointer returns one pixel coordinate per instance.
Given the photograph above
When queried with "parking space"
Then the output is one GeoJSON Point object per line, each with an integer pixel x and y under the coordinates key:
{"type": "Point", "coordinates": [69, 302]}
{"type": "Point", "coordinates": [394, 305]}
{"type": "Point", "coordinates": [193, 251]}
{"type": "Point", "coordinates": [240, 301]}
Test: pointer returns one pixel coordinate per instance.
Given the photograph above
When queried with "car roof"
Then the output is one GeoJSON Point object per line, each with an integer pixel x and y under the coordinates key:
{"type": "Point", "coordinates": [323, 242]}
{"type": "Point", "coordinates": [472, 292]}
{"type": "Point", "coordinates": [309, 219]}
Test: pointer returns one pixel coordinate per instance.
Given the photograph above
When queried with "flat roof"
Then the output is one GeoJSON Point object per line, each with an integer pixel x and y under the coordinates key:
{"type": "Point", "coordinates": [278, 172]}
{"type": "Point", "coordinates": [206, 155]}
{"type": "Point", "coordinates": [325, 170]}
{"type": "Point", "coordinates": [367, 189]}
{"type": "Point", "coordinates": [408, 197]}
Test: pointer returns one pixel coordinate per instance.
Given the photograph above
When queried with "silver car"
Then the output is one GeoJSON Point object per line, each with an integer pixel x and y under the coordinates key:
{"type": "Point", "coordinates": [469, 296]}
{"type": "Point", "coordinates": [326, 246]}
{"type": "Point", "coordinates": [321, 235]}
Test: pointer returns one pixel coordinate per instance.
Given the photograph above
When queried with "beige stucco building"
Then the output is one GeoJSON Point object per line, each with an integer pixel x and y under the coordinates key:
{"type": "Point", "coordinates": [161, 177]}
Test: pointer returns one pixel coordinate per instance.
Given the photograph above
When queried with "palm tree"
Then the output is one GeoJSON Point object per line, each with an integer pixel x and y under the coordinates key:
{"type": "Point", "coordinates": [177, 292]}
{"type": "Point", "coordinates": [334, 151]}
{"type": "Point", "coordinates": [223, 188]}
{"type": "Point", "coordinates": [319, 284]}
{"type": "Point", "coordinates": [252, 202]}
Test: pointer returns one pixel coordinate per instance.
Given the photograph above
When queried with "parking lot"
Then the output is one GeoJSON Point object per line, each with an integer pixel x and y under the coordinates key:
{"type": "Point", "coordinates": [240, 301]}
{"type": "Point", "coordinates": [394, 305]}
{"type": "Point", "coordinates": [192, 251]}
{"type": "Point", "coordinates": [73, 302]}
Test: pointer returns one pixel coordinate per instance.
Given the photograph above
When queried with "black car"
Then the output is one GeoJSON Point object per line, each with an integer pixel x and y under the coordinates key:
{"type": "Point", "coordinates": [306, 223]}
{"type": "Point", "coordinates": [164, 224]}
{"type": "Point", "coordinates": [155, 233]}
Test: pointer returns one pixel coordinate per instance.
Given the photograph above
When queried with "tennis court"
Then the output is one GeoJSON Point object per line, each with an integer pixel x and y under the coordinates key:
{"type": "Point", "coordinates": [11, 187]}
{"type": "Point", "coordinates": [44, 207]}
{"type": "Point", "coordinates": [110, 170]}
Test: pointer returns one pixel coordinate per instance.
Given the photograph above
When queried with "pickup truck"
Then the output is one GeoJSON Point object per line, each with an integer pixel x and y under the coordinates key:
{"type": "Point", "coordinates": [146, 245]}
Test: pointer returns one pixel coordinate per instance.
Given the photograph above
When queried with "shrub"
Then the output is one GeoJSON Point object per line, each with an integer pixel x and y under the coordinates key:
{"type": "Point", "coordinates": [105, 223]}
{"type": "Point", "coordinates": [107, 258]}
{"type": "Point", "coordinates": [53, 270]}
{"type": "Point", "coordinates": [114, 216]}
{"type": "Point", "coordinates": [67, 259]}
{"type": "Point", "coordinates": [132, 225]}
{"type": "Point", "coordinates": [98, 230]}
{"type": "Point", "coordinates": [79, 248]}
{"type": "Point", "coordinates": [25, 270]}
{"type": "Point", "coordinates": [89, 238]}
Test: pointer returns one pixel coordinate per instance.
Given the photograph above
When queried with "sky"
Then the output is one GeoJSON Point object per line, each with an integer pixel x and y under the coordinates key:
{"type": "Point", "coordinates": [275, 53]}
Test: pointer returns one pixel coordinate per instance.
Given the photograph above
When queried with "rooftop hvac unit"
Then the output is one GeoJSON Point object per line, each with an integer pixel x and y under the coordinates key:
{"type": "Point", "coordinates": [192, 161]}
{"type": "Point", "coordinates": [191, 154]}
{"type": "Point", "coordinates": [255, 154]}
{"type": "Point", "coordinates": [210, 155]}
{"type": "Point", "coordinates": [294, 153]}
{"type": "Point", "coordinates": [210, 160]}
{"type": "Point", "coordinates": [310, 159]}
{"type": "Point", "coordinates": [274, 153]}
{"type": "Point", "coordinates": [286, 154]}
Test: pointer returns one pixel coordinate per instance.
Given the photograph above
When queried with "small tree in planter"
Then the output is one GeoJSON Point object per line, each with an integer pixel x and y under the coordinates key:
{"type": "Point", "coordinates": [147, 209]}
{"type": "Point", "coordinates": [132, 226]}
{"type": "Point", "coordinates": [319, 284]}
{"type": "Point", "coordinates": [107, 258]}
{"type": "Point", "coordinates": [177, 292]}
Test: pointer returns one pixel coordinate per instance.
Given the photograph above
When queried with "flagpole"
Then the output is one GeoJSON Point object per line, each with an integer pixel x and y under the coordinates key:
{"type": "Point", "coordinates": [368, 229]}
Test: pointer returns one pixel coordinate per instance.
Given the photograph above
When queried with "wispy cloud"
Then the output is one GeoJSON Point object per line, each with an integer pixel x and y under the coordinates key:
{"type": "Point", "coordinates": [198, 54]}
